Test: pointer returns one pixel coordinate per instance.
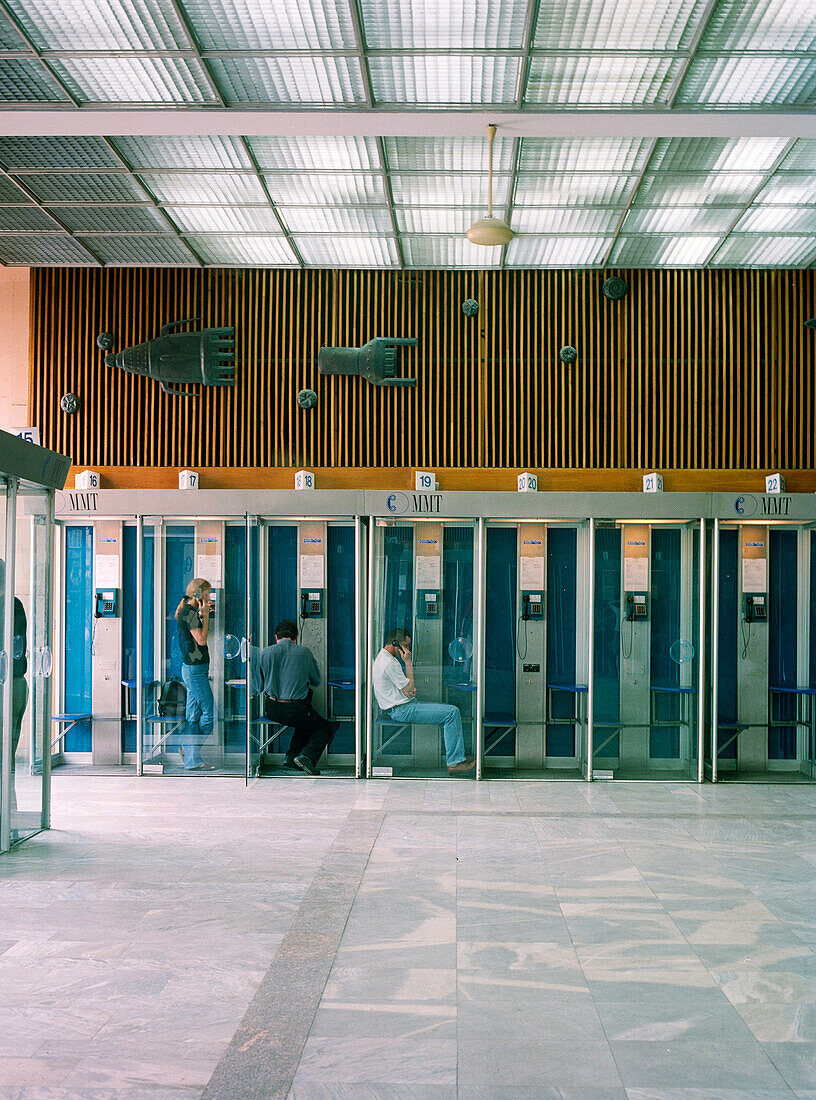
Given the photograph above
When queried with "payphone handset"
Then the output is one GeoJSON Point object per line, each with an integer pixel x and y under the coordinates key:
{"type": "Point", "coordinates": [106, 603]}
{"type": "Point", "coordinates": [311, 603]}
{"type": "Point", "coordinates": [428, 603]}
{"type": "Point", "coordinates": [754, 610]}
{"type": "Point", "coordinates": [532, 606]}
{"type": "Point", "coordinates": [637, 607]}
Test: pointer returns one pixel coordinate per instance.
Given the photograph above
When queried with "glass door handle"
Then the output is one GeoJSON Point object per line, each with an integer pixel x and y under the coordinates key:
{"type": "Point", "coordinates": [46, 663]}
{"type": "Point", "coordinates": [3, 666]}
{"type": "Point", "coordinates": [244, 649]}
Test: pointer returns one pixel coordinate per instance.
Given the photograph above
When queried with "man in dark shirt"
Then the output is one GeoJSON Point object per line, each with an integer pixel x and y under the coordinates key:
{"type": "Point", "coordinates": [289, 672]}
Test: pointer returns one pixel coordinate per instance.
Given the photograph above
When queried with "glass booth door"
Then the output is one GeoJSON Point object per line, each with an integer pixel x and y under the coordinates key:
{"type": "Point", "coordinates": [423, 586]}
{"type": "Point", "coordinates": [646, 651]}
{"type": "Point", "coordinates": [194, 690]}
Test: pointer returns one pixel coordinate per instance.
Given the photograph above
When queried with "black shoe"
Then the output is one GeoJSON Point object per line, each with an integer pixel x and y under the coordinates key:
{"type": "Point", "coordinates": [305, 765]}
{"type": "Point", "coordinates": [289, 762]}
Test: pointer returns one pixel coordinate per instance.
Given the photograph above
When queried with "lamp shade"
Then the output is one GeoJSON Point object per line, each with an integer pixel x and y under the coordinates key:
{"type": "Point", "coordinates": [490, 231]}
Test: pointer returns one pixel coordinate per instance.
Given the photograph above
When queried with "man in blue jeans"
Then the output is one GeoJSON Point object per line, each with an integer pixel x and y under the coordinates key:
{"type": "Point", "coordinates": [395, 691]}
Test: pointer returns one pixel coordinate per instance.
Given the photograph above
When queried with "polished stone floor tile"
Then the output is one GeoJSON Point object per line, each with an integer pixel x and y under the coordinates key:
{"type": "Point", "coordinates": [411, 940]}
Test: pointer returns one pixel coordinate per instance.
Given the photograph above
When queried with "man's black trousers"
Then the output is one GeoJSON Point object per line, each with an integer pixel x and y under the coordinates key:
{"type": "Point", "coordinates": [312, 733]}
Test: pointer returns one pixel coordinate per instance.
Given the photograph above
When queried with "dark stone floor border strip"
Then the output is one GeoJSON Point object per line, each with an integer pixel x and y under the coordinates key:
{"type": "Point", "coordinates": [263, 1055]}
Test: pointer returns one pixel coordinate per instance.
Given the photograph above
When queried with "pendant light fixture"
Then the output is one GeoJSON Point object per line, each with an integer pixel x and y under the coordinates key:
{"type": "Point", "coordinates": [490, 230]}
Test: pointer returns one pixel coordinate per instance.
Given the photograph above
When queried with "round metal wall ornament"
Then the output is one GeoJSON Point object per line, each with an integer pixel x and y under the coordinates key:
{"type": "Point", "coordinates": [567, 354]}
{"type": "Point", "coordinates": [470, 307]}
{"type": "Point", "coordinates": [307, 399]}
{"type": "Point", "coordinates": [69, 403]}
{"type": "Point", "coordinates": [615, 288]}
{"type": "Point", "coordinates": [104, 341]}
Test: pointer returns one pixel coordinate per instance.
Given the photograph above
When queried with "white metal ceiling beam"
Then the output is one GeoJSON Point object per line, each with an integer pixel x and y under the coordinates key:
{"type": "Point", "coordinates": [153, 122]}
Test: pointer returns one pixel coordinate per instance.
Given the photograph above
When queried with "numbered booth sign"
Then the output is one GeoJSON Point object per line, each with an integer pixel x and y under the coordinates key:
{"type": "Point", "coordinates": [425, 481]}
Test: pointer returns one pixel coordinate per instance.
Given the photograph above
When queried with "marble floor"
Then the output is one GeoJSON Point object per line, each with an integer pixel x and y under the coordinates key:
{"type": "Point", "coordinates": [310, 939]}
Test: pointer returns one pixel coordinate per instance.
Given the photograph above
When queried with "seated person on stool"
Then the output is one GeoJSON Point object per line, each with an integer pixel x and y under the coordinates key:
{"type": "Point", "coordinates": [395, 691]}
{"type": "Point", "coordinates": [289, 672]}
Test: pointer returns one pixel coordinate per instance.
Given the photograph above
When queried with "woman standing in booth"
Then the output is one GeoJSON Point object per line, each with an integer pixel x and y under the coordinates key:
{"type": "Point", "coordinates": [192, 626]}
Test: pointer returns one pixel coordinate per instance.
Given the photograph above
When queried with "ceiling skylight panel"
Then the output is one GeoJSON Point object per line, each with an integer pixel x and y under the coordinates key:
{"type": "Point", "coordinates": [232, 251]}
{"type": "Point", "coordinates": [425, 251]}
{"type": "Point", "coordinates": [680, 219]}
{"type": "Point", "coordinates": [557, 251]}
{"type": "Point", "coordinates": [600, 80]}
{"type": "Point", "coordinates": [25, 219]}
{"type": "Point", "coordinates": [739, 81]}
{"type": "Point", "coordinates": [10, 193]}
{"type": "Point", "coordinates": [700, 189]}
{"type": "Point", "coordinates": [348, 251]}
{"type": "Point", "coordinates": [440, 189]}
{"type": "Point", "coordinates": [56, 152]}
{"type": "Point", "coordinates": [337, 219]}
{"type": "Point", "coordinates": [778, 219]}
{"type": "Point", "coordinates": [573, 189]}
{"type": "Point", "coordinates": [271, 24]}
{"type": "Point", "coordinates": [28, 82]}
{"type": "Point", "coordinates": [612, 25]}
{"type": "Point", "coordinates": [225, 219]}
{"type": "Point", "coordinates": [189, 151]}
{"type": "Point", "coordinates": [326, 187]}
{"type": "Point", "coordinates": [716, 154]}
{"type": "Point", "coordinates": [447, 154]}
{"type": "Point", "coordinates": [306, 154]}
{"type": "Point", "coordinates": [142, 80]}
{"type": "Point", "coordinates": [756, 251]}
{"type": "Point", "coordinates": [100, 24]}
{"type": "Point", "coordinates": [231, 188]}
{"type": "Point", "coordinates": [761, 25]}
{"type": "Point", "coordinates": [73, 188]}
{"type": "Point", "coordinates": [437, 219]}
{"type": "Point", "coordinates": [321, 81]}
{"type": "Point", "coordinates": [141, 251]}
{"type": "Point", "coordinates": [112, 219]}
{"type": "Point", "coordinates": [444, 24]}
{"type": "Point", "coordinates": [789, 189]}
{"type": "Point", "coordinates": [560, 219]}
{"type": "Point", "coordinates": [35, 250]}
{"type": "Point", "coordinates": [440, 79]}
{"type": "Point", "coordinates": [10, 37]}
{"type": "Point", "coordinates": [802, 156]}
{"type": "Point", "coordinates": [670, 251]}
{"type": "Point", "coordinates": [583, 154]}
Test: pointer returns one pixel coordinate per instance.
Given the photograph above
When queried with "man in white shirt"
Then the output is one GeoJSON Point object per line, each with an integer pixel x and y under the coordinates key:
{"type": "Point", "coordinates": [395, 691]}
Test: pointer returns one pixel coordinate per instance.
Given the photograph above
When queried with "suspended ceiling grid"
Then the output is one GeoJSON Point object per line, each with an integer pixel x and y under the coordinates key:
{"type": "Point", "coordinates": [350, 133]}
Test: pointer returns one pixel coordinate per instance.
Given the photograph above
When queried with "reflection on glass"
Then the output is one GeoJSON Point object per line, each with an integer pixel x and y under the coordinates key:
{"type": "Point", "coordinates": [422, 675]}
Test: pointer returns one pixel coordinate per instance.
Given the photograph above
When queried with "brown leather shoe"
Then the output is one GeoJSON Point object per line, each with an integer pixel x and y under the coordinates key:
{"type": "Point", "coordinates": [464, 766]}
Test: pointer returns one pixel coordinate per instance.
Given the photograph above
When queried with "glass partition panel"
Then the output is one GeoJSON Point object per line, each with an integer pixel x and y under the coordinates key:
{"type": "Point", "coordinates": [193, 680]}
{"type": "Point", "coordinates": [646, 647]}
{"type": "Point", "coordinates": [340, 645]}
{"type": "Point", "coordinates": [31, 663]}
{"type": "Point", "coordinates": [535, 696]}
{"type": "Point", "coordinates": [78, 621]}
{"type": "Point", "coordinates": [423, 721]}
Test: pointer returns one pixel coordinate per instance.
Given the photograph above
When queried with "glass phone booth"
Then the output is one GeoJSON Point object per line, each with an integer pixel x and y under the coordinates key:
{"type": "Point", "coordinates": [29, 476]}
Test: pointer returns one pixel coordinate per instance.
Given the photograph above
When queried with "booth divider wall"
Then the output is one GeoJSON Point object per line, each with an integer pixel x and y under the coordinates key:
{"type": "Point", "coordinates": [560, 635]}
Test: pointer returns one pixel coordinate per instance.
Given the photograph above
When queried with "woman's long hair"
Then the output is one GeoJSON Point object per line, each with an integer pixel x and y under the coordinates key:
{"type": "Point", "coordinates": [195, 591]}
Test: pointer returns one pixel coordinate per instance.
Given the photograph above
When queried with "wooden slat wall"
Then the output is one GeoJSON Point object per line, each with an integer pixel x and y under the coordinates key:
{"type": "Point", "coordinates": [692, 370]}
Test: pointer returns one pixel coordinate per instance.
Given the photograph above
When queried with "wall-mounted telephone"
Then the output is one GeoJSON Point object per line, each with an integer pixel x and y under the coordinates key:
{"type": "Point", "coordinates": [754, 609]}
{"type": "Point", "coordinates": [428, 603]}
{"type": "Point", "coordinates": [637, 607]}
{"type": "Point", "coordinates": [106, 604]}
{"type": "Point", "coordinates": [311, 603]}
{"type": "Point", "coordinates": [532, 606]}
